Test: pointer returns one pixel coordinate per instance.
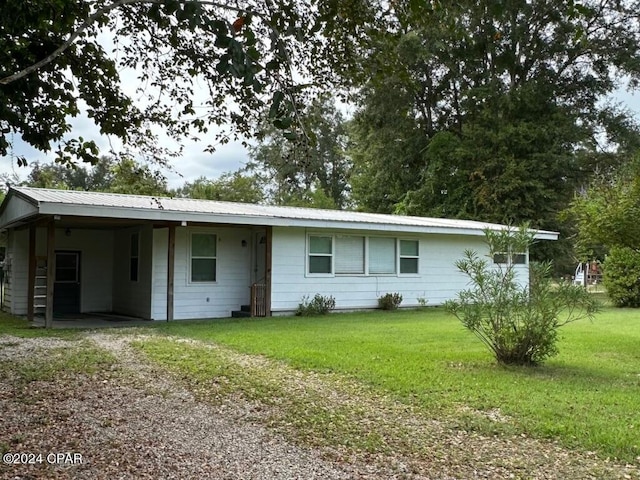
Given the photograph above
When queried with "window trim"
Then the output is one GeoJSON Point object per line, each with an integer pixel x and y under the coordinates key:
{"type": "Point", "coordinates": [191, 257]}
{"type": "Point", "coordinates": [365, 266]}
{"type": "Point", "coordinates": [309, 254]}
{"type": "Point", "coordinates": [510, 256]}
{"type": "Point", "coordinates": [400, 257]}
{"type": "Point", "coordinates": [396, 266]}
{"type": "Point", "coordinates": [366, 251]}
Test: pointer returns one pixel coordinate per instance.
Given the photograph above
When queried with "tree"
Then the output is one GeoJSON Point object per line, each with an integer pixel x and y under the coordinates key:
{"type": "Point", "coordinates": [230, 187]}
{"type": "Point", "coordinates": [245, 55]}
{"type": "Point", "coordinates": [131, 177]}
{"type": "Point", "coordinates": [314, 169]}
{"type": "Point", "coordinates": [517, 322]}
{"type": "Point", "coordinates": [492, 110]}
{"type": "Point", "coordinates": [108, 175]}
{"type": "Point", "coordinates": [606, 217]}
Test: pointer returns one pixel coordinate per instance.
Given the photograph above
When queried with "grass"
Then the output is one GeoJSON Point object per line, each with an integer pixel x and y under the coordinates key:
{"type": "Point", "coordinates": [20, 327]}
{"type": "Point", "coordinates": [586, 397]}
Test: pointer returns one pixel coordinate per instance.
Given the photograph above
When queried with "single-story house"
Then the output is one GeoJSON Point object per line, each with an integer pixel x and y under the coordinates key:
{"type": "Point", "coordinates": [70, 252]}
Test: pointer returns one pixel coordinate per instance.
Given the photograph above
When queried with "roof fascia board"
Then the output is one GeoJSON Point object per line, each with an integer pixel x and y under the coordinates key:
{"type": "Point", "coordinates": [169, 215]}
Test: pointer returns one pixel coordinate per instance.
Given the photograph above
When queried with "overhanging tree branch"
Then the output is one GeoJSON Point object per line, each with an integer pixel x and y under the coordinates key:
{"type": "Point", "coordinates": [95, 16]}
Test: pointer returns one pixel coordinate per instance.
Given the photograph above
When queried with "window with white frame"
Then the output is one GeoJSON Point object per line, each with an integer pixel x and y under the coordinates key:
{"type": "Point", "coordinates": [349, 255]}
{"type": "Point", "coordinates": [203, 257]}
{"type": "Point", "coordinates": [510, 259]}
{"type": "Point", "coordinates": [320, 254]}
{"type": "Point", "coordinates": [382, 256]}
{"type": "Point", "coordinates": [409, 256]}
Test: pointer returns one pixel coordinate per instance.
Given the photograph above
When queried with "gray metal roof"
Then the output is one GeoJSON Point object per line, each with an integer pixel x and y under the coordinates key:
{"type": "Point", "coordinates": [116, 205]}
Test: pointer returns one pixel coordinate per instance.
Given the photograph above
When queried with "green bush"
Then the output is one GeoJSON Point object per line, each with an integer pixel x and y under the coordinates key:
{"type": "Point", "coordinates": [621, 278]}
{"type": "Point", "coordinates": [390, 301]}
{"type": "Point", "coordinates": [318, 305]}
{"type": "Point", "coordinates": [518, 323]}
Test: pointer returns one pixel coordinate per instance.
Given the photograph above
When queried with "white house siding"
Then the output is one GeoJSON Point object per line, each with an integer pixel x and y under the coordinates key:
{"type": "Point", "coordinates": [17, 274]}
{"type": "Point", "coordinates": [17, 209]}
{"type": "Point", "coordinates": [438, 279]}
{"type": "Point", "coordinates": [203, 300]}
{"type": "Point", "coordinates": [96, 258]}
{"type": "Point", "coordinates": [132, 297]}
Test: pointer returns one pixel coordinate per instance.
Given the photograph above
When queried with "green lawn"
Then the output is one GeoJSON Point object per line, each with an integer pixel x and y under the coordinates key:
{"type": "Point", "coordinates": [587, 397]}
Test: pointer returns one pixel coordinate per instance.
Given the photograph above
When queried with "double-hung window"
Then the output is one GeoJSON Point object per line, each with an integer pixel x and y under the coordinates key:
{"type": "Point", "coordinates": [320, 254]}
{"type": "Point", "coordinates": [203, 257]}
{"type": "Point", "coordinates": [409, 255]}
{"type": "Point", "coordinates": [360, 255]}
{"type": "Point", "coordinates": [349, 255]}
{"type": "Point", "coordinates": [382, 256]}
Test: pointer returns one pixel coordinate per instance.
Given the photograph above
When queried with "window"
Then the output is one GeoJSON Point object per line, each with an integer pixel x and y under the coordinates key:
{"type": "Point", "coordinates": [203, 257]}
{"type": "Point", "coordinates": [349, 255]}
{"type": "Point", "coordinates": [513, 259]}
{"type": "Point", "coordinates": [134, 256]}
{"type": "Point", "coordinates": [409, 256]}
{"type": "Point", "coordinates": [382, 255]}
{"type": "Point", "coordinates": [320, 254]}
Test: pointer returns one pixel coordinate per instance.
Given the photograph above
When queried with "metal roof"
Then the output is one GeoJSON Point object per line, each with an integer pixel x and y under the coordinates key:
{"type": "Point", "coordinates": [115, 205]}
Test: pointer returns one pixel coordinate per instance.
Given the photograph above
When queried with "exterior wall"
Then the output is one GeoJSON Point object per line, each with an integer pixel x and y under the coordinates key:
{"type": "Point", "coordinates": [16, 209]}
{"type": "Point", "coordinates": [96, 258]}
{"type": "Point", "coordinates": [16, 272]}
{"type": "Point", "coordinates": [132, 297]}
{"type": "Point", "coordinates": [203, 300]}
{"type": "Point", "coordinates": [437, 281]}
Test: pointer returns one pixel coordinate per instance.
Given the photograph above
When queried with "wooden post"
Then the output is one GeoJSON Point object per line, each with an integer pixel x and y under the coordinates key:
{"type": "Point", "coordinates": [267, 279]}
{"type": "Point", "coordinates": [31, 285]}
{"type": "Point", "coordinates": [51, 272]}
{"type": "Point", "coordinates": [171, 255]}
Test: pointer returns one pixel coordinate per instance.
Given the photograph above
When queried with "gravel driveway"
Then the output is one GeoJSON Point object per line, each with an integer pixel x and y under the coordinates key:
{"type": "Point", "coordinates": [135, 420]}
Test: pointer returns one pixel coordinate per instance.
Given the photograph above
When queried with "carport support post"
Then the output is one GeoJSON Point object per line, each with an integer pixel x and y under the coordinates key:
{"type": "Point", "coordinates": [171, 254]}
{"type": "Point", "coordinates": [51, 272]}
{"type": "Point", "coordinates": [31, 285]}
{"type": "Point", "coordinates": [268, 261]}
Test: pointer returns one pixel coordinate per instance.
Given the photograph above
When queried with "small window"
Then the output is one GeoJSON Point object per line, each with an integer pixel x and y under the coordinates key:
{"type": "Point", "coordinates": [382, 256]}
{"type": "Point", "coordinates": [134, 256]}
{"type": "Point", "coordinates": [203, 257]}
{"type": "Point", "coordinates": [409, 255]}
{"type": "Point", "coordinates": [320, 254]}
{"type": "Point", "coordinates": [349, 255]}
{"type": "Point", "coordinates": [516, 258]}
{"type": "Point", "coordinates": [500, 258]}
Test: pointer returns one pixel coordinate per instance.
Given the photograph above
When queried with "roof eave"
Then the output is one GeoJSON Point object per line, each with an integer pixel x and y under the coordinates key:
{"type": "Point", "coordinates": [50, 208]}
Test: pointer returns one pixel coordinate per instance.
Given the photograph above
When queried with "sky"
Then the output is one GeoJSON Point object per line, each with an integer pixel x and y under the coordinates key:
{"type": "Point", "coordinates": [195, 162]}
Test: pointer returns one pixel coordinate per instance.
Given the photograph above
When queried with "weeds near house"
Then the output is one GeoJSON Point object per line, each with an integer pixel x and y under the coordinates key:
{"type": "Point", "coordinates": [390, 301]}
{"type": "Point", "coordinates": [318, 305]}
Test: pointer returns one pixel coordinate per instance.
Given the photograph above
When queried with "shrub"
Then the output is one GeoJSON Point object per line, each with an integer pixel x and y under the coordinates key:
{"type": "Point", "coordinates": [622, 277]}
{"type": "Point", "coordinates": [390, 301]}
{"type": "Point", "coordinates": [422, 302]}
{"type": "Point", "coordinates": [318, 305]}
{"type": "Point", "coordinates": [518, 323]}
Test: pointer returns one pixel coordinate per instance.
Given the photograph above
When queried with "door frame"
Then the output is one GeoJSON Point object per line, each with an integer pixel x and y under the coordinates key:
{"type": "Point", "coordinates": [78, 280]}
